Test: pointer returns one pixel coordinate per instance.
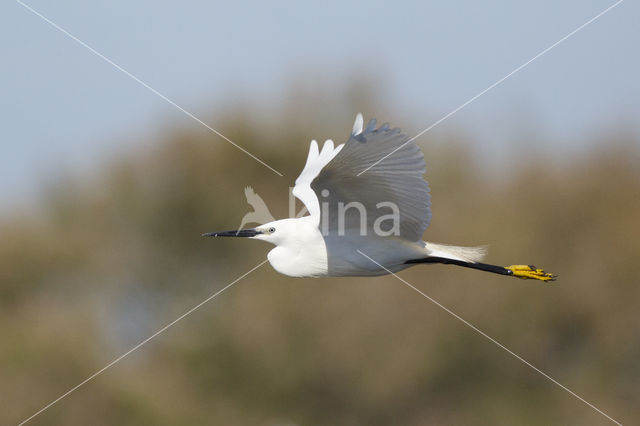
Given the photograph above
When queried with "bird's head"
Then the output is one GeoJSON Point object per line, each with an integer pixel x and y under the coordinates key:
{"type": "Point", "coordinates": [276, 232]}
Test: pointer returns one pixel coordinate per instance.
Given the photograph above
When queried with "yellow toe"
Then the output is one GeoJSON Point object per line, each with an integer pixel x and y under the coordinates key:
{"type": "Point", "coordinates": [527, 272]}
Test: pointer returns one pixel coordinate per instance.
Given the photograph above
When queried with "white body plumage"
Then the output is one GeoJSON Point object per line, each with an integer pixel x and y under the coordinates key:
{"type": "Point", "coordinates": [376, 167]}
{"type": "Point", "coordinates": [350, 191]}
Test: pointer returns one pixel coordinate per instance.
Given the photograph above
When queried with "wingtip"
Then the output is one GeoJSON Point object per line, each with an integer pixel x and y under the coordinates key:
{"type": "Point", "coordinates": [314, 150]}
{"type": "Point", "coordinates": [371, 126]}
{"type": "Point", "coordinates": [327, 147]}
{"type": "Point", "coordinates": [358, 125]}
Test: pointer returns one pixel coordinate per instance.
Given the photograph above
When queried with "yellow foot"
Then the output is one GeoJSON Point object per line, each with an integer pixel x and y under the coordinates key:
{"type": "Point", "coordinates": [530, 272]}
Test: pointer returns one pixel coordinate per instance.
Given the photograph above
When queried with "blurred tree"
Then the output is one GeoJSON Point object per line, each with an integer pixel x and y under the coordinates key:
{"type": "Point", "coordinates": [110, 259]}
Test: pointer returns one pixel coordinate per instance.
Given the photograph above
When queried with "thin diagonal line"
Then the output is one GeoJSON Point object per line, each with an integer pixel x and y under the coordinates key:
{"type": "Point", "coordinates": [91, 377]}
{"type": "Point", "coordinates": [500, 345]}
{"type": "Point", "coordinates": [496, 83]}
{"type": "Point", "coordinates": [109, 61]}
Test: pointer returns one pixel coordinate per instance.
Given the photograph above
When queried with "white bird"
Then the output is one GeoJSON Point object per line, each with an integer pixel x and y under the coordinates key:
{"type": "Point", "coordinates": [368, 207]}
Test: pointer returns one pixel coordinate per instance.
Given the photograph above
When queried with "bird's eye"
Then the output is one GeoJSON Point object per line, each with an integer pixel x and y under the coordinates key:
{"type": "Point", "coordinates": [272, 230]}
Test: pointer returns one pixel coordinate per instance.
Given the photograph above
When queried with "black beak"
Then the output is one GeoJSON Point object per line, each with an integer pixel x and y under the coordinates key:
{"type": "Point", "coordinates": [240, 233]}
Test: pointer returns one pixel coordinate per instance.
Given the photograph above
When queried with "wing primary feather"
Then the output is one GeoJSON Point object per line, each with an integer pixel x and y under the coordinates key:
{"type": "Point", "coordinates": [371, 126]}
{"type": "Point", "coordinates": [398, 179]}
{"type": "Point", "coordinates": [357, 125]}
{"type": "Point", "coordinates": [316, 160]}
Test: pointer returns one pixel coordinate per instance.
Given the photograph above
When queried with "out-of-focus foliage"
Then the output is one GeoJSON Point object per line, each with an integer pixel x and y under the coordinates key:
{"type": "Point", "coordinates": [110, 259]}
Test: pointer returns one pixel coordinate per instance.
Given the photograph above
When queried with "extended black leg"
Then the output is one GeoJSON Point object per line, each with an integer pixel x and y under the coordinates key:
{"type": "Point", "coordinates": [519, 271]}
{"type": "Point", "coordinates": [481, 266]}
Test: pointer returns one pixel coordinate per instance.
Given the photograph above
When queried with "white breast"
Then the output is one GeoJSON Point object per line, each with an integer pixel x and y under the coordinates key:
{"type": "Point", "coordinates": [303, 252]}
{"type": "Point", "coordinates": [303, 261]}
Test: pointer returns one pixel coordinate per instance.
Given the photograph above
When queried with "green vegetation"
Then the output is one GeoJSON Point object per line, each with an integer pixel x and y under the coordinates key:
{"type": "Point", "coordinates": [108, 260]}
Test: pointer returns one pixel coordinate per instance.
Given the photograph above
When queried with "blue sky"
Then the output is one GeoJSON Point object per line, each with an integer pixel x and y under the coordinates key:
{"type": "Point", "coordinates": [63, 108]}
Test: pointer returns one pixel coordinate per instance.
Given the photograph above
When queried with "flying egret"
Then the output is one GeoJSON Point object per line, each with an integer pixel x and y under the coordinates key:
{"type": "Point", "coordinates": [368, 207]}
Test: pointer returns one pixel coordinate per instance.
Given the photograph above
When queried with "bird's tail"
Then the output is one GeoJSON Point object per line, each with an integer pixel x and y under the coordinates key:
{"type": "Point", "coordinates": [464, 254]}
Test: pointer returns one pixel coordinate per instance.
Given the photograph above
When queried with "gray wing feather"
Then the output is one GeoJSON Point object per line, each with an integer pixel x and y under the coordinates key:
{"type": "Point", "coordinates": [397, 179]}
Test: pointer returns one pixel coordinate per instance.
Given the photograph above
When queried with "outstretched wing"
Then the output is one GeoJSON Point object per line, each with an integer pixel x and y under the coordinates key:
{"type": "Point", "coordinates": [316, 160]}
{"type": "Point", "coordinates": [376, 168]}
